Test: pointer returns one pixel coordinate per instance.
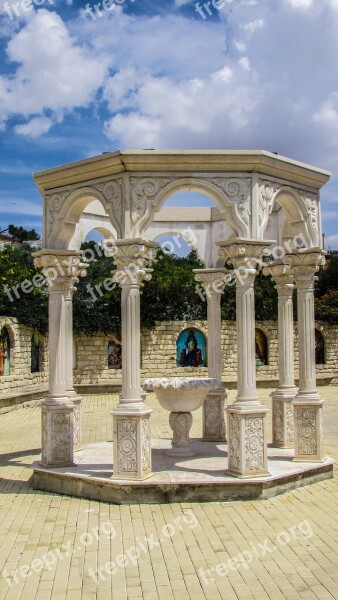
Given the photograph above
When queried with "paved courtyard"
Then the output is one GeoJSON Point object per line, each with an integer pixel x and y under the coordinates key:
{"type": "Point", "coordinates": [69, 549]}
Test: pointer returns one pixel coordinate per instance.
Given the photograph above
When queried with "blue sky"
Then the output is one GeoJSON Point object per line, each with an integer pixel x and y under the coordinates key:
{"type": "Point", "coordinates": [259, 74]}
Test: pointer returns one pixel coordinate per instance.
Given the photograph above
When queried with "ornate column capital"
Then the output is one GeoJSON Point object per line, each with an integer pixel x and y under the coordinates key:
{"type": "Point", "coordinates": [61, 268]}
{"type": "Point", "coordinates": [213, 281]}
{"type": "Point", "coordinates": [280, 273]}
{"type": "Point", "coordinates": [132, 259]}
{"type": "Point", "coordinates": [243, 253]}
{"type": "Point", "coordinates": [304, 266]}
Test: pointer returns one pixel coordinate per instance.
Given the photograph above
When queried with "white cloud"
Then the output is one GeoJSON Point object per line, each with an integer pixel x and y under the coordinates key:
{"type": "Point", "coordinates": [35, 127]}
{"type": "Point", "coordinates": [54, 72]}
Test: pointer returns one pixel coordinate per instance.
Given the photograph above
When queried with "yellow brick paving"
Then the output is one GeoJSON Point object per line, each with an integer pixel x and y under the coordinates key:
{"type": "Point", "coordinates": [50, 545]}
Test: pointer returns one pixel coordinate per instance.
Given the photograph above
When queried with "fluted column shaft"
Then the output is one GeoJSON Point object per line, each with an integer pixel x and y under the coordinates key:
{"type": "Point", "coordinates": [131, 343]}
{"type": "Point", "coordinates": [307, 404]}
{"type": "Point", "coordinates": [132, 442]}
{"type": "Point", "coordinates": [245, 324]}
{"type": "Point", "coordinates": [213, 282]}
{"type": "Point", "coordinates": [282, 397]}
{"type": "Point", "coordinates": [306, 335]}
{"type": "Point", "coordinates": [247, 442]}
{"type": "Point", "coordinates": [61, 269]}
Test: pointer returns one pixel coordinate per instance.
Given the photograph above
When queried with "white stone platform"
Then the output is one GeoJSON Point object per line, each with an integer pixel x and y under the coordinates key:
{"type": "Point", "coordinates": [201, 478]}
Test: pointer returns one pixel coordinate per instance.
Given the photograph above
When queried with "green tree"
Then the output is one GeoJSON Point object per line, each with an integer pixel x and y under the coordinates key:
{"type": "Point", "coordinates": [16, 266]}
{"type": "Point", "coordinates": [23, 235]}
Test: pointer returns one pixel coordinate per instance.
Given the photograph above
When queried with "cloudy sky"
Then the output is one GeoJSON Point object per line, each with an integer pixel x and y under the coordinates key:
{"type": "Point", "coordinates": [75, 82]}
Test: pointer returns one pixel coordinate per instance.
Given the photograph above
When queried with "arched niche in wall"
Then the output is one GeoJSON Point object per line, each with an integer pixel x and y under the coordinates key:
{"type": "Point", "coordinates": [35, 352]}
{"type": "Point", "coordinates": [5, 353]}
{"type": "Point", "coordinates": [319, 347]}
{"type": "Point", "coordinates": [115, 353]}
{"type": "Point", "coordinates": [191, 348]}
{"type": "Point", "coordinates": [261, 346]}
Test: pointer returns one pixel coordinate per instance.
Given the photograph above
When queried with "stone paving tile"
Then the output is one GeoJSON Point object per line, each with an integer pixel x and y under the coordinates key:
{"type": "Point", "coordinates": [75, 549]}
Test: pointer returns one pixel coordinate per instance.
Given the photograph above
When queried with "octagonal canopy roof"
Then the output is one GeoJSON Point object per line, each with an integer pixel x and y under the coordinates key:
{"type": "Point", "coordinates": [188, 161]}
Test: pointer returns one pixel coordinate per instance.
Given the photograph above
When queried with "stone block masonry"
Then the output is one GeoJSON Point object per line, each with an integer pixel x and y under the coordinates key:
{"type": "Point", "coordinates": [158, 358]}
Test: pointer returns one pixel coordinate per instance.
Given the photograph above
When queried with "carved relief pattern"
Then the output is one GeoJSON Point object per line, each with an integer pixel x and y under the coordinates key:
{"type": "Point", "coordinates": [239, 192]}
{"type": "Point", "coordinates": [180, 423]}
{"type": "Point", "coordinates": [267, 193]}
{"type": "Point", "coordinates": [146, 449]}
{"type": "Point", "coordinates": [290, 422]}
{"type": "Point", "coordinates": [44, 436]}
{"type": "Point", "coordinates": [154, 383]}
{"type": "Point", "coordinates": [234, 458]}
{"type": "Point", "coordinates": [53, 203]}
{"type": "Point", "coordinates": [214, 416]}
{"type": "Point", "coordinates": [144, 191]}
{"type": "Point", "coordinates": [311, 203]}
{"type": "Point", "coordinates": [254, 438]}
{"type": "Point", "coordinates": [126, 445]}
{"type": "Point", "coordinates": [60, 437]}
{"type": "Point", "coordinates": [306, 430]}
{"type": "Point", "coordinates": [62, 271]}
{"type": "Point", "coordinates": [77, 423]}
{"type": "Point", "coordinates": [278, 420]}
{"type": "Point", "coordinates": [132, 262]}
{"type": "Point", "coordinates": [112, 193]}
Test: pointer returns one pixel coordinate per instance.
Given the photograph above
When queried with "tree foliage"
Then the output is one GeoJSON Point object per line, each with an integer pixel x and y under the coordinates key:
{"type": "Point", "coordinates": [171, 295]}
{"type": "Point", "coordinates": [22, 235]}
{"type": "Point", "coordinates": [17, 266]}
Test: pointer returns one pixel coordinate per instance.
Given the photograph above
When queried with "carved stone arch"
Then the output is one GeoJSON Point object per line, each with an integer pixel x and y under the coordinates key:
{"type": "Point", "coordinates": [148, 194]}
{"type": "Point", "coordinates": [299, 209]}
{"type": "Point", "coordinates": [302, 211]}
{"type": "Point", "coordinates": [64, 210]}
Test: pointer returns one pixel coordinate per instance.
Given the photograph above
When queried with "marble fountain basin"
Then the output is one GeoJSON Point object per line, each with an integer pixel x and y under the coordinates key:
{"type": "Point", "coordinates": [181, 396]}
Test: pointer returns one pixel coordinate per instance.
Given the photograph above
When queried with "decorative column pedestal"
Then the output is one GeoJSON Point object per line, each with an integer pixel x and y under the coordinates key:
{"type": "Point", "coordinates": [283, 396]}
{"type": "Point", "coordinates": [307, 404]}
{"type": "Point", "coordinates": [213, 282]}
{"type": "Point", "coordinates": [61, 268]}
{"type": "Point", "coordinates": [247, 440]}
{"type": "Point", "coordinates": [131, 425]}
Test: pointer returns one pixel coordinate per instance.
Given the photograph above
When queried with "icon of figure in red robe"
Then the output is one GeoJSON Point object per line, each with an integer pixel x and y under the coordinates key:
{"type": "Point", "coordinates": [191, 355]}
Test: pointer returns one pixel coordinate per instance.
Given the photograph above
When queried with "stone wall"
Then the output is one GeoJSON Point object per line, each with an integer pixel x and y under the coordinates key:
{"type": "Point", "coordinates": [91, 372]}
{"type": "Point", "coordinates": [22, 385]}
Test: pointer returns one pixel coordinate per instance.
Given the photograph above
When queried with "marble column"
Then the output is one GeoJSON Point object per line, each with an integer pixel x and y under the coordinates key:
{"type": "Point", "coordinates": [61, 268]}
{"type": "Point", "coordinates": [213, 282]}
{"type": "Point", "coordinates": [74, 397]}
{"type": "Point", "coordinates": [307, 404]}
{"type": "Point", "coordinates": [283, 396]}
{"type": "Point", "coordinates": [247, 440]}
{"type": "Point", "coordinates": [131, 423]}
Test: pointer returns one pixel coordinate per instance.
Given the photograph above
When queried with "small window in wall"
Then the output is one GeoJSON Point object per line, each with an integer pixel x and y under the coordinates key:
{"type": "Point", "coordinates": [191, 349]}
{"type": "Point", "coordinates": [115, 353]}
{"type": "Point", "coordinates": [35, 352]}
{"type": "Point", "coordinates": [320, 348]}
{"type": "Point", "coordinates": [261, 344]}
{"type": "Point", "coordinates": [5, 353]}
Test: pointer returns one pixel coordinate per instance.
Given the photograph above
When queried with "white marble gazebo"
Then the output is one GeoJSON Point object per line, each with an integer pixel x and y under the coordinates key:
{"type": "Point", "coordinates": [266, 215]}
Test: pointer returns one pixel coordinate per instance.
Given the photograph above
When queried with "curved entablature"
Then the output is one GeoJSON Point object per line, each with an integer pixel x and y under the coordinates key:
{"type": "Point", "coordinates": [248, 189]}
{"type": "Point", "coordinates": [63, 211]}
{"type": "Point", "coordinates": [231, 196]}
{"type": "Point", "coordinates": [300, 207]}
